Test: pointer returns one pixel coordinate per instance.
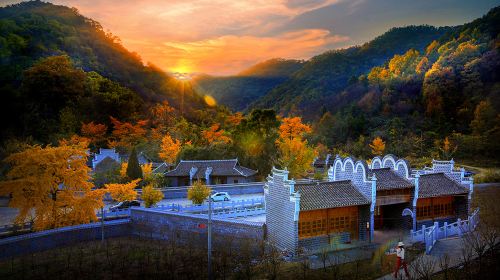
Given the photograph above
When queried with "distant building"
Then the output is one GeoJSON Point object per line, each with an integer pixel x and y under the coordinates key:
{"type": "Point", "coordinates": [358, 199]}
{"type": "Point", "coordinates": [226, 171]}
{"type": "Point", "coordinates": [107, 156]}
{"type": "Point", "coordinates": [103, 154]}
{"type": "Point", "coordinates": [322, 163]}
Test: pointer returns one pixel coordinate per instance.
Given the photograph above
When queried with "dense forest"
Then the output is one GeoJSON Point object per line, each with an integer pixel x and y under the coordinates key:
{"type": "Point", "coordinates": [421, 91]}
{"type": "Point", "coordinates": [59, 68]}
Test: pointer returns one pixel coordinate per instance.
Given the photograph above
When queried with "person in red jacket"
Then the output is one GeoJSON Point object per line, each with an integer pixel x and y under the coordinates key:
{"type": "Point", "coordinates": [400, 253]}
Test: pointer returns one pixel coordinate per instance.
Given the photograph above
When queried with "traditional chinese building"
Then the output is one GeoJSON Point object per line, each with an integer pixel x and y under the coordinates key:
{"type": "Point", "coordinates": [105, 157]}
{"type": "Point", "coordinates": [226, 171]}
{"type": "Point", "coordinates": [358, 199]}
{"type": "Point", "coordinates": [435, 194]}
{"type": "Point", "coordinates": [313, 214]}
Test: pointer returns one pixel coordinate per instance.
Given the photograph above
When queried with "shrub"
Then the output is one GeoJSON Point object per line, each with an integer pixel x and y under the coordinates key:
{"type": "Point", "coordinates": [151, 196]}
{"type": "Point", "coordinates": [198, 192]}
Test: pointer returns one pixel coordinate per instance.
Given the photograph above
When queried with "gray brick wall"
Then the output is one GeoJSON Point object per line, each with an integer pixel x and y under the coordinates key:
{"type": "Point", "coordinates": [45, 240]}
{"type": "Point", "coordinates": [282, 229]}
{"type": "Point", "coordinates": [165, 225]}
{"type": "Point", "coordinates": [329, 242]}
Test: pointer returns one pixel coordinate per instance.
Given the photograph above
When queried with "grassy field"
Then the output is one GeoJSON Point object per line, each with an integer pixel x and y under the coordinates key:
{"type": "Point", "coordinates": [484, 174]}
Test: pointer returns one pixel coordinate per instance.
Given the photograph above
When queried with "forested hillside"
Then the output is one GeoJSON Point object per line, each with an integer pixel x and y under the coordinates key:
{"type": "Point", "coordinates": [238, 91]}
{"type": "Point", "coordinates": [425, 91]}
{"type": "Point", "coordinates": [327, 74]}
{"type": "Point", "coordinates": [59, 68]}
{"type": "Point", "coordinates": [443, 98]}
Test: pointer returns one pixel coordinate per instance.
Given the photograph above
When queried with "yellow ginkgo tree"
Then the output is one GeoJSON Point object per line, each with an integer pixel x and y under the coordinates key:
{"type": "Point", "coordinates": [151, 196]}
{"type": "Point", "coordinates": [294, 152]}
{"type": "Point", "coordinates": [52, 186]}
{"type": "Point", "coordinates": [170, 148]}
{"type": "Point", "coordinates": [123, 192]}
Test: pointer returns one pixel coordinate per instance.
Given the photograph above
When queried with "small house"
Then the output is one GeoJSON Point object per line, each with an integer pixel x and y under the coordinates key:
{"type": "Point", "coordinates": [225, 171]}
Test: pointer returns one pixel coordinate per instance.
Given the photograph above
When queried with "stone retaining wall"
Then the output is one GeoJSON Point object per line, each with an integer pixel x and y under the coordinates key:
{"type": "Point", "coordinates": [183, 227]}
{"type": "Point", "coordinates": [48, 239]}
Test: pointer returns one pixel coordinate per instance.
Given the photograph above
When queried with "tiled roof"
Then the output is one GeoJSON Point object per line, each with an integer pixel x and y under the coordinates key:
{"type": "Point", "coordinates": [387, 179]}
{"type": "Point", "coordinates": [225, 167]}
{"type": "Point", "coordinates": [322, 195]}
{"type": "Point", "coordinates": [321, 161]}
{"type": "Point", "coordinates": [160, 168]}
{"type": "Point", "coordinates": [438, 184]}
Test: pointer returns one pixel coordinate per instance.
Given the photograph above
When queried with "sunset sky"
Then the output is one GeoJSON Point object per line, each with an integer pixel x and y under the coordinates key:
{"type": "Point", "coordinates": [223, 37]}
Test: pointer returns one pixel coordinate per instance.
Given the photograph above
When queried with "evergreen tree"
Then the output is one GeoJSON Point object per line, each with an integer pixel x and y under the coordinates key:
{"type": "Point", "coordinates": [134, 170]}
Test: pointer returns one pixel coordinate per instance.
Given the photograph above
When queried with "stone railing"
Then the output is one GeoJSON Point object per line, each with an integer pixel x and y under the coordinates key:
{"type": "Point", "coordinates": [216, 206]}
{"type": "Point", "coordinates": [429, 235]}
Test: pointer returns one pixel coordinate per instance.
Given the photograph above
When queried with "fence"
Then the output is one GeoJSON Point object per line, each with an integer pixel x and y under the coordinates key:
{"type": "Point", "coordinates": [9, 230]}
{"type": "Point", "coordinates": [232, 189]}
{"type": "Point", "coordinates": [216, 206]}
{"type": "Point", "coordinates": [121, 213]}
{"type": "Point", "coordinates": [240, 212]}
{"type": "Point", "coordinates": [430, 235]}
{"type": "Point", "coordinates": [15, 228]}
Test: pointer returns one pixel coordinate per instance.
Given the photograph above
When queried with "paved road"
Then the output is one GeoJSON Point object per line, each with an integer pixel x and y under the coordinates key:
{"type": "Point", "coordinates": [483, 185]}
{"type": "Point", "coordinates": [7, 215]}
{"type": "Point", "coordinates": [452, 247]}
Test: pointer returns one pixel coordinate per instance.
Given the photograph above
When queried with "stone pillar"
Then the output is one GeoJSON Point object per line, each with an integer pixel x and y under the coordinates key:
{"type": "Point", "coordinates": [415, 200]}
{"type": "Point", "coordinates": [471, 190]}
{"type": "Point", "coordinates": [208, 171]}
{"type": "Point", "coordinates": [192, 172]}
{"type": "Point", "coordinates": [372, 206]}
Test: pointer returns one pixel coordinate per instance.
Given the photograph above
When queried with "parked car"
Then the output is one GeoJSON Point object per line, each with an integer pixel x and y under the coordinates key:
{"type": "Point", "coordinates": [124, 205]}
{"type": "Point", "coordinates": [220, 196]}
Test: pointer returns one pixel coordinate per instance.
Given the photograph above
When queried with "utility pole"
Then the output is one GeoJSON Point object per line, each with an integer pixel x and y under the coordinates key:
{"type": "Point", "coordinates": [209, 238]}
{"type": "Point", "coordinates": [102, 225]}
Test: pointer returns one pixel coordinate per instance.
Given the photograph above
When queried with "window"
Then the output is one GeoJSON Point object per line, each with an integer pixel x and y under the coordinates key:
{"type": "Point", "coordinates": [325, 221]}
{"type": "Point", "coordinates": [235, 181]}
{"type": "Point", "coordinates": [436, 207]}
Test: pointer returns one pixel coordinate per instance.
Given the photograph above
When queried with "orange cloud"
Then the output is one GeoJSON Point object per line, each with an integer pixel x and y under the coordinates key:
{"type": "Point", "coordinates": [231, 54]}
{"type": "Point", "coordinates": [213, 36]}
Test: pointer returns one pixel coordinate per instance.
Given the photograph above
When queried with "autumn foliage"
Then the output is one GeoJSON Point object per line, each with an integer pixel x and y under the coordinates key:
{"type": "Point", "coordinates": [75, 141]}
{"type": "Point", "coordinates": [126, 134]}
{"type": "Point", "coordinates": [123, 192]}
{"type": "Point", "coordinates": [215, 135]}
{"type": "Point", "coordinates": [147, 170]}
{"type": "Point", "coordinates": [198, 192]}
{"type": "Point", "coordinates": [292, 128]}
{"type": "Point", "coordinates": [169, 149]}
{"type": "Point", "coordinates": [94, 132]}
{"type": "Point", "coordinates": [377, 146]}
{"type": "Point", "coordinates": [294, 152]}
{"type": "Point", "coordinates": [51, 186]}
{"type": "Point", "coordinates": [151, 196]}
{"type": "Point", "coordinates": [235, 119]}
